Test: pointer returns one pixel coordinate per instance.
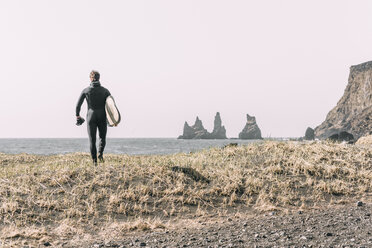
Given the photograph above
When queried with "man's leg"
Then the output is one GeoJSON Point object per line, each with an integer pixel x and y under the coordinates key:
{"type": "Point", "coordinates": [92, 132]}
{"type": "Point", "coordinates": [102, 131]}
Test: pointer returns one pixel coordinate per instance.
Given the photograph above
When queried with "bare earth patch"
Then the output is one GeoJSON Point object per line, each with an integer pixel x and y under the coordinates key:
{"type": "Point", "coordinates": [64, 201]}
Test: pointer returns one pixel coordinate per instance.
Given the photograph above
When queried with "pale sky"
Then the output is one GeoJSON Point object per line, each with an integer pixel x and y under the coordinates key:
{"type": "Point", "coordinates": [166, 62]}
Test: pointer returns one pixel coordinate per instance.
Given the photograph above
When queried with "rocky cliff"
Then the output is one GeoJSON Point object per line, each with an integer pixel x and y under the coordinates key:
{"type": "Point", "coordinates": [251, 129]}
{"type": "Point", "coordinates": [353, 112]}
{"type": "Point", "coordinates": [197, 131]}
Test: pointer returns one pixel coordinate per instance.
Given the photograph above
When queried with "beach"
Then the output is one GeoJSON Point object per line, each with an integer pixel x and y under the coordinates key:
{"type": "Point", "coordinates": [64, 201]}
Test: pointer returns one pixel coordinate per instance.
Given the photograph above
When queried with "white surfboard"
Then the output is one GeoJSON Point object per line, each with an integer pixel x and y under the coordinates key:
{"type": "Point", "coordinates": [112, 112]}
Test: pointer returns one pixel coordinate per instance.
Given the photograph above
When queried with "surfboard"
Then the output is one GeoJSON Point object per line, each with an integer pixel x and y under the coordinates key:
{"type": "Point", "coordinates": [112, 112]}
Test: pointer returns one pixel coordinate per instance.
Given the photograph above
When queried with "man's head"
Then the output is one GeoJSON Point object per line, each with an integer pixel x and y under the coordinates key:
{"type": "Point", "coordinates": [94, 76]}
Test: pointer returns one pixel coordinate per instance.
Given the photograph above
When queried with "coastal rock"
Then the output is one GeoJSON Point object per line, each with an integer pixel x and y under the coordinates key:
{"type": "Point", "coordinates": [188, 132]}
{"type": "Point", "coordinates": [251, 129]}
{"type": "Point", "coordinates": [353, 112]}
{"type": "Point", "coordinates": [197, 131]}
{"type": "Point", "coordinates": [341, 136]}
{"type": "Point", "coordinates": [219, 131]}
{"type": "Point", "coordinates": [309, 134]}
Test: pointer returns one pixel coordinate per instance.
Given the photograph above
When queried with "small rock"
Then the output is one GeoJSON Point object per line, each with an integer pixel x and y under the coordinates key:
{"type": "Point", "coordinates": [359, 203]}
{"type": "Point", "coordinates": [245, 224]}
{"type": "Point", "coordinates": [111, 244]}
{"type": "Point", "coordinates": [229, 219]}
{"type": "Point", "coordinates": [47, 244]}
{"type": "Point", "coordinates": [142, 244]}
{"type": "Point", "coordinates": [328, 234]}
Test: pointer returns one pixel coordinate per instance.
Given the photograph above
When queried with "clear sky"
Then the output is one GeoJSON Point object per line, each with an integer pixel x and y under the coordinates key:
{"type": "Point", "coordinates": [166, 62]}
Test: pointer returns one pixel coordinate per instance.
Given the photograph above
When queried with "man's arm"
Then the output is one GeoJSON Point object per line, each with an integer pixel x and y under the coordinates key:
{"type": "Point", "coordinates": [79, 103]}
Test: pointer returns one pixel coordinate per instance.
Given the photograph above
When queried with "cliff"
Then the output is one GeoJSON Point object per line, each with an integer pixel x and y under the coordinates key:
{"type": "Point", "coordinates": [353, 112]}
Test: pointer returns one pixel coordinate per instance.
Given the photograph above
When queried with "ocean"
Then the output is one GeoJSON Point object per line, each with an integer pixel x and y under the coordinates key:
{"type": "Point", "coordinates": [130, 146]}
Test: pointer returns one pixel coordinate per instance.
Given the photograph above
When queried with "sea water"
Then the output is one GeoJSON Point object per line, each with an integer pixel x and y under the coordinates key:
{"type": "Point", "coordinates": [131, 146]}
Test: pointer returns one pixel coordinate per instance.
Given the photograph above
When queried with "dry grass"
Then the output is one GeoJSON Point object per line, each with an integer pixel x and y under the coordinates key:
{"type": "Point", "coordinates": [64, 196]}
{"type": "Point", "coordinates": [366, 140]}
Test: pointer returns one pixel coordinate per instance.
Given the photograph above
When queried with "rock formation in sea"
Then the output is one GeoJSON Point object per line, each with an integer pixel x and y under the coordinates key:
{"type": "Point", "coordinates": [197, 131]}
{"type": "Point", "coordinates": [251, 129]}
{"type": "Point", "coordinates": [353, 113]}
{"type": "Point", "coordinates": [309, 134]}
{"type": "Point", "coordinates": [219, 131]}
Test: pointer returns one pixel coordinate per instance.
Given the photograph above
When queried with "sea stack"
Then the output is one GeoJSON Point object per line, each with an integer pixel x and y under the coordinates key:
{"type": "Point", "coordinates": [251, 129]}
{"type": "Point", "coordinates": [219, 131]}
{"type": "Point", "coordinates": [353, 113]}
{"type": "Point", "coordinates": [197, 131]}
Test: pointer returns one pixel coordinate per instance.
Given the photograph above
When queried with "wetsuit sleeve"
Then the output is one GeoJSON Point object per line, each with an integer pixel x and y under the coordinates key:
{"type": "Point", "coordinates": [108, 93]}
{"type": "Point", "coordinates": [79, 103]}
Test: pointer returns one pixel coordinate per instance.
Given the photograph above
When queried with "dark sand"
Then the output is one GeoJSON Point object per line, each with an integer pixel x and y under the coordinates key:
{"type": "Point", "coordinates": [340, 226]}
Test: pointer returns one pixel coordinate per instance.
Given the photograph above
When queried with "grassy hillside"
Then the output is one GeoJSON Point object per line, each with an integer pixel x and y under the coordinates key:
{"type": "Point", "coordinates": [42, 197]}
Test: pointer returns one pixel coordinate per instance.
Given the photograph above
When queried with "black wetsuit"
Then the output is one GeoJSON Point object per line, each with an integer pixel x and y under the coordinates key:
{"type": "Point", "coordinates": [96, 116]}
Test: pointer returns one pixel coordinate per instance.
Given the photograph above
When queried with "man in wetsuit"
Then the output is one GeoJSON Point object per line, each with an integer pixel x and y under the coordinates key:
{"type": "Point", "coordinates": [96, 96]}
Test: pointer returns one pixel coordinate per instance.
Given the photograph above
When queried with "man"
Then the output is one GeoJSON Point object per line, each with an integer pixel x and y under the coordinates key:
{"type": "Point", "coordinates": [96, 96]}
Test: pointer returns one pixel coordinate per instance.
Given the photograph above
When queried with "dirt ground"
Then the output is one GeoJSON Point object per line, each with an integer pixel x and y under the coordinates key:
{"type": "Point", "coordinates": [342, 226]}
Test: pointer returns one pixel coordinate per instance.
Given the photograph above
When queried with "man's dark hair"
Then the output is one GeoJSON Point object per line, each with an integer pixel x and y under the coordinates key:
{"type": "Point", "coordinates": [95, 75]}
